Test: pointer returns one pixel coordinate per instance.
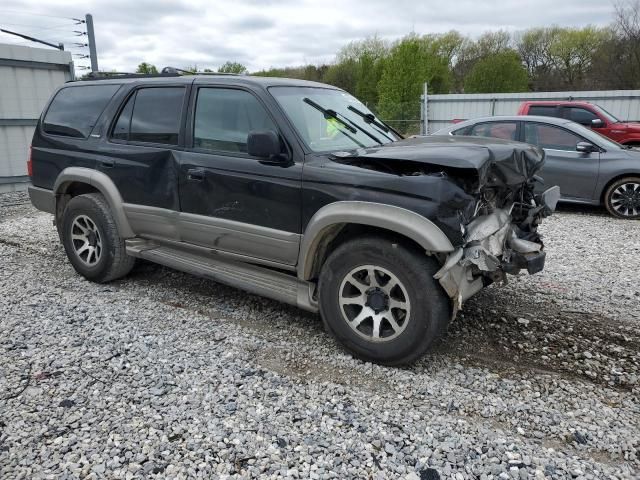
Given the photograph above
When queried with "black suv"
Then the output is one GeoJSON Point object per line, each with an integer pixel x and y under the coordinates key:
{"type": "Point", "coordinates": [289, 189]}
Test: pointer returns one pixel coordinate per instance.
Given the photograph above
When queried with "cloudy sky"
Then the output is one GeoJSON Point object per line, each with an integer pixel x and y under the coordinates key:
{"type": "Point", "coordinates": [266, 33]}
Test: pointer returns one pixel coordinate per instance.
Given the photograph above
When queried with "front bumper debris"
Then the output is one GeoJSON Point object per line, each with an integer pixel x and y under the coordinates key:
{"type": "Point", "coordinates": [494, 246]}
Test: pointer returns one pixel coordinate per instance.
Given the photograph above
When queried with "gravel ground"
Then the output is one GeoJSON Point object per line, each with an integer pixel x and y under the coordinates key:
{"type": "Point", "coordinates": [165, 375]}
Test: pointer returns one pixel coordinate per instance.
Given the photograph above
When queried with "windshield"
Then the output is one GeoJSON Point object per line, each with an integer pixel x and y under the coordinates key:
{"type": "Point", "coordinates": [325, 121]}
{"type": "Point", "coordinates": [606, 114]}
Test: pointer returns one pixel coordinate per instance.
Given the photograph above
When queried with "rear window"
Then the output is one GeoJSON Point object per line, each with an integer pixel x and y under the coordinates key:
{"type": "Point", "coordinates": [544, 111]}
{"type": "Point", "coordinates": [74, 111]}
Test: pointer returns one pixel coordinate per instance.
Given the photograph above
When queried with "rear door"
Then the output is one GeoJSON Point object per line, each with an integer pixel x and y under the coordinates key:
{"type": "Point", "coordinates": [230, 200]}
{"type": "Point", "coordinates": [576, 173]}
{"type": "Point", "coordinates": [139, 152]}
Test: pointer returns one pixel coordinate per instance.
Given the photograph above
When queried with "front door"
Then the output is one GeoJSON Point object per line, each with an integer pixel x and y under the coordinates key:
{"type": "Point", "coordinates": [231, 201]}
{"type": "Point", "coordinates": [576, 173]}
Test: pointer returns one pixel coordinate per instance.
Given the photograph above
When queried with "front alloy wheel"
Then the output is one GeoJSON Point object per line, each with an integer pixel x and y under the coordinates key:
{"type": "Point", "coordinates": [374, 303]}
{"type": "Point", "coordinates": [623, 198]}
{"type": "Point", "coordinates": [379, 299]}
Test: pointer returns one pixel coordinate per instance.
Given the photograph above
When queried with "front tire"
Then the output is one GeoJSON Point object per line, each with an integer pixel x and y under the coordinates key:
{"type": "Point", "coordinates": [622, 198]}
{"type": "Point", "coordinates": [91, 240]}
{"type": "Point", "coordinates": [379, 299]}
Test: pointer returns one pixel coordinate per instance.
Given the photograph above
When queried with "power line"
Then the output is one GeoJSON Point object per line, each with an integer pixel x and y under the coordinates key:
{"type": "Point", "coordinates": [17, 12]}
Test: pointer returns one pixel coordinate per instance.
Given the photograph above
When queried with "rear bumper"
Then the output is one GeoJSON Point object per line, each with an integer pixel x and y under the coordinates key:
{"type": "Point", "coordinates": [43, 199]}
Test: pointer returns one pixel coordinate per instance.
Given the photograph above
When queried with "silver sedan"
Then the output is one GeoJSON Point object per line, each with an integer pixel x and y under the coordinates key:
{"type": "Point", "coordinates": [588, 167]}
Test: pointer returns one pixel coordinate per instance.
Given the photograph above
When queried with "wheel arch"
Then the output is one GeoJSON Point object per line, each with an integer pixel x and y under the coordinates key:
{"type": "Point", "coordinates": [74, 181]}
{"type": "Point", "coordinates": [332, 220]}
{"type": "Point", "coordinates": [613, 180]}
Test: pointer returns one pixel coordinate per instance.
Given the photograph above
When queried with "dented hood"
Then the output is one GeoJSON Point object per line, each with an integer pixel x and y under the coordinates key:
{"type": "Point", "coordinates": [496, 162]}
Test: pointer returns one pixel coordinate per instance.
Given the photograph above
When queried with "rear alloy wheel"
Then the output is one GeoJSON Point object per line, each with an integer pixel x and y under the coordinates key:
{"type": "Point", "coordinates": [379, 299]}
{"type": "Point", "coordinates": [622, 198]}
{"type": "Point", "coordinates": [91, 239]}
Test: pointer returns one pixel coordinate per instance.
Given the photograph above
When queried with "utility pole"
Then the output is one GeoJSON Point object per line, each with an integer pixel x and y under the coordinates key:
{"type": "Point", "coordinates": [92, 43]}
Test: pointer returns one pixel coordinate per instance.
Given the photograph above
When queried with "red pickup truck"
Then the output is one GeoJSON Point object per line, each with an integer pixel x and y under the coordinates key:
{"type": "Point", "coordinates": [589, 115]}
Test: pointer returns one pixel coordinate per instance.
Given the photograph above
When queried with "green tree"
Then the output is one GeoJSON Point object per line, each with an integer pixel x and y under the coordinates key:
{"type": "Point", "coordinates": [147, 68]}
{"type": "Point", "coordinates": [343, 75]}
{"type": "Point", "coordinates": [412, 61]}
{"type": "Point", "coordinates": [573, 51]}
{"type": "Point", "coordinates": [498, 73]}
{"type": "Point", "coordinates": [232, 67]}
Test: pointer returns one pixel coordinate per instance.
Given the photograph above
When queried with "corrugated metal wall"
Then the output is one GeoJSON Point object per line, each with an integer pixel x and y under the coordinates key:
{"type": "Point", "coordinates": [28, 77]}
{"type": "Point", "coordinates": [442, 109]}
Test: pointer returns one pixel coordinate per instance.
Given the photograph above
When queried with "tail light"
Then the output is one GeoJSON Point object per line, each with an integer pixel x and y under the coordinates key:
{"type": "Point", "coordinates": [30, 162]}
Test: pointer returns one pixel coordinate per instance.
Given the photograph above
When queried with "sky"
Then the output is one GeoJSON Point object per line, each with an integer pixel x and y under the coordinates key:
{"type": "Point", "coordinates": [269, 33]}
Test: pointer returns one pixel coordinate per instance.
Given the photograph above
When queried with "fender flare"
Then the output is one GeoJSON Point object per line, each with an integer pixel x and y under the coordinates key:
{"type": "Point", "coordinates": [396, 219]}
{"type": "Point", "coordinates": [104, 185]}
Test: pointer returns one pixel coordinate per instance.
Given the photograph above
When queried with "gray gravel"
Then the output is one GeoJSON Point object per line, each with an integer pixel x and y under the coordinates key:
{"type": "Point", "coordinates": [166, 375]}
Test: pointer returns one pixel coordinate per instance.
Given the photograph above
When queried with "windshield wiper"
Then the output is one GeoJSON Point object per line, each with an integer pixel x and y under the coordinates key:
{"type": "Point", "coordinates": [352, 127]}
{"type": "Point", "coordinates": [371, 119]}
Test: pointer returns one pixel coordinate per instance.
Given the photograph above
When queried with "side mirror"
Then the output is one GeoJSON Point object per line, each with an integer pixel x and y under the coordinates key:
{"type": "Point", "coordinates": [585, 147]}
{"type": "Point", "coordinates": [263, 144]}
{"type": "Point", "coordinates": [597, 123]}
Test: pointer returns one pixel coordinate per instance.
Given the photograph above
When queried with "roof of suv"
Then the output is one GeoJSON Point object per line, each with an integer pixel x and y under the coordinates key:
{"type": "Point", "coordinates": [208, 79]}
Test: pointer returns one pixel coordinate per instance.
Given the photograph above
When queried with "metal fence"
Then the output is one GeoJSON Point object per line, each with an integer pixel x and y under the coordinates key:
{"type": "Point", "coordinates": [28, 77]}
{"type": "Point", "coordinates": [438, 111]}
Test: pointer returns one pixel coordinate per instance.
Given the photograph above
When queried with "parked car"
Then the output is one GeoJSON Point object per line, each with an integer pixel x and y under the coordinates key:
{"type": "Point", "coordinates": [588, 115]}
{"type": "Point", "coordinates": [288, 189]}
{"type": "Point", "coordinates": [589, 168]}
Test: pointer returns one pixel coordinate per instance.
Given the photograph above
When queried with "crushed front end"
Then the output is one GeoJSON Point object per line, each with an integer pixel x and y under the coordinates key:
{"type": "Point", "coordinates": [502, 236]}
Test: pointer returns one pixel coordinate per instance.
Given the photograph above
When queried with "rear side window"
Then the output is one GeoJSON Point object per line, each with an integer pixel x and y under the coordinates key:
{"type": "Point", "coordinates": [151, 115]}
{"type": "Point", "coordinates": [544, 111]}
{"type": "Point", "coordinates": [504, 130]}
{"type": "Point", "coordinates": [75, 110]}
{"type": "Point", "coordinates": [224, 117]}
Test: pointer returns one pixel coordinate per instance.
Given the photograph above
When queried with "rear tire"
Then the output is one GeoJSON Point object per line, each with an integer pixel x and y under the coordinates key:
{"type": "Point", "coordinates": [379, 299]}
{"type": "Point", "coordinates": [622, 198]}
{"type": "Point", "coordinates": [91, 239]}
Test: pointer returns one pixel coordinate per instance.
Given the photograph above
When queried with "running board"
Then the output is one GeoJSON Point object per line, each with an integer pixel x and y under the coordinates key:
{"type": "Point", "coordinates": [252, 278]}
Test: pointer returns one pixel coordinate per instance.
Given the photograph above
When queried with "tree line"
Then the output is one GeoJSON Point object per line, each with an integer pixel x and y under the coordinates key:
{"type": "Point", "coordinates": [388, 76]}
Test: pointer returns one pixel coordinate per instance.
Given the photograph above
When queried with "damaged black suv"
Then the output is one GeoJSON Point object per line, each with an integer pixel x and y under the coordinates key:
{"type": "Point", "coordinates": [289, 189]}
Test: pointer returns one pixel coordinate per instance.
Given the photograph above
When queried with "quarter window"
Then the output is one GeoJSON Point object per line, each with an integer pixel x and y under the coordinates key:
{"type": "Point", "coordinates": [75, 110]}
{"type": "Point", "coordinates": [224, 117]}
{"type": "Point", "coordinates": [547, 136]}
{"type": "Point", "coordinates": [151, 115]}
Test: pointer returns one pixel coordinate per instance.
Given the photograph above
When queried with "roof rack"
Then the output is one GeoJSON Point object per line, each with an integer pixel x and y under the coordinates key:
{"type": "Point", "coordinates": [179, 71]}
{"type": "Point", "coordinates": [165, 72]}
{"type": "Point", "coordinates": [113, 75]}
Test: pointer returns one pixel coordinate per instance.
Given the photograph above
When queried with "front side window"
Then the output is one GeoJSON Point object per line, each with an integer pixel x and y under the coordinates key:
{"type": "Point", "coordinates": [151, 115]}
{"type": "Point", "coordinates": [75, 110]}
{"type": "Point", "coordinates": [549, 136]}
{"type": "Point", "coordinates": [503, 130]}
{"type": "Point", "coordinates": [224, 117]}
{"type": "Point", "coordinates": [328, 119]}
{"type": "Point", "coordinates": [581, 115]}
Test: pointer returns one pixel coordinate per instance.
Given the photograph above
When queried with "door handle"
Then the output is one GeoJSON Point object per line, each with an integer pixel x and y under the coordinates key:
{"type": "Point", "coordinates": [107, 163]}
{"type": "Point", "coordinates": [195, 174]}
